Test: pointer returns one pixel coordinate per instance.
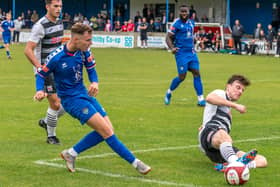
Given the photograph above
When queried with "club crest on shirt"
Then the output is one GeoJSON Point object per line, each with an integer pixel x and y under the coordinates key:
{"type": "Point", "coordinates": [64, 65]}
{"type": "Point", "coordinates": [85, 110]}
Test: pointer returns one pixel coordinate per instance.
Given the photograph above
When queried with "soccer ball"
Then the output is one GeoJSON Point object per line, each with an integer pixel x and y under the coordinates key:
{"type": "Point", "coordinates": [237, 173]}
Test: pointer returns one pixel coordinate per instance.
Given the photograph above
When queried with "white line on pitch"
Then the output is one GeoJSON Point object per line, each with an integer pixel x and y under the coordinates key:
{"type": "Point", "coordinates": [114, 175]}
{"type": "Point", "coordinates": [50, 162]}
{"type": "Point", "coordinates": [164, 149]}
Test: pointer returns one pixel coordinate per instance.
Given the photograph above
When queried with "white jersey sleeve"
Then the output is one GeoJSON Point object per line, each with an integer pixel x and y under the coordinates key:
{"type": "Point", "coordinates": [210, 110]}
{"type": "Point", "coordinates": [37, 33]}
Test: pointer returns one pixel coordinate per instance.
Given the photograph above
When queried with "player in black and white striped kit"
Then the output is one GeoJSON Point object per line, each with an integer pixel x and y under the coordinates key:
{"type": "Point", "coordinates": [214, 138]}
{"type": "Point", "coordinates": [46, 35]}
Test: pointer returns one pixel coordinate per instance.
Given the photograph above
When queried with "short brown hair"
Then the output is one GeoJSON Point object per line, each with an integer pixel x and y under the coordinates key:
{"type": "Point", "coordinates": [80, 28]}
{"type": "Point", "coordinates": [240, 78]}
{"type": "Point", "coordinates": [47, 2]}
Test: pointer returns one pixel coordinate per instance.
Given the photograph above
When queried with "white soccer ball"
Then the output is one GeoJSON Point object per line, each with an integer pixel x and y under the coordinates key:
{"type": "Point", "coordinates": [237, 173]}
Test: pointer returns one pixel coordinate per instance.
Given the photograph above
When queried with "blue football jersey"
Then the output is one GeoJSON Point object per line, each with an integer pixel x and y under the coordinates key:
{"type": "Point", "coordinates": [6, 25]}
{"type": "Point", "coordinates": [183, 33]}
{"type": "Point", "coordinates": [67, 68]}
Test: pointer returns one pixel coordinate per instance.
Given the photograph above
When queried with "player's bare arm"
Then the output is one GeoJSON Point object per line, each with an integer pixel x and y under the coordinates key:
{"type": "Point", "coordinates": [29, 53]}
{"type": "Point", "coordinates": [214, 99]}
{"type": "Point", "coordinates": [170, 41]}
{"type": "Point", "coordinates": [93, 89]}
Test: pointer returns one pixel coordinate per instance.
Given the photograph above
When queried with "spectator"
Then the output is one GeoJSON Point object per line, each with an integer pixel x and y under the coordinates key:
{"type": "Point", "coordinates": [66, 21]}
{"type": "Point", "coordinates": [194, 17]}
{"type": "Point", "coordinates": [209, 40]}
{"type": "Point", "coordinates": [257, 31]}
{"type": "Point", "coordinates": [237, 33]}
{"type": "Point", "coordinates": [136, 18]}
{"type": "Point", "coordinates": [218, 41]}
{"type": "Point", "coordinates": [151, 26]}
{"type": "Point", "coordinates": [145, 11]}
{"type": "Point", "coordinates": [104, 9]}
{"type": "Point", "coordinates": [150, 16]}
{"type": "Point", "coordinates": [204, 19]}
{"type": "Point", "coordinates": [157, 25]}
{"type": "Point", "coordinates": [124, 26]}
{"type": "Point", "coordinates": [34, 17]}
{"type": "Point", "coordinates": [192, 10]}
{"type": "Point", "coordinates": [101, 22]}
{"type": "Point", "coordinates": [163, 22]}
{"type": "Point", "coordinates": [18, 25]}
{"type": "Point", "coordinates": [94, 23]}
{"type": "Point", "coordinates": [252, 46]}
{"type": "Point", "coordinates": [137, 25]}
{"type": "Point", "coordinates": [119, 17]}
{"type": "Point", "coordinates": [143, 33]}
{"type": "Point", "coordinates": [28, 19]}
{"type": "Point", "coordinates": [130, 26]}
{"type": "Point", "coordinates": [278, 44]}
{"type": "Point", "coordinates": [171, 17]}
{"type": "Point", "coordinates": [118, 26]}
{"type": "Point", "coordinates": [270, 37]}
{"type": "Point", "coordinates": [108, 26]}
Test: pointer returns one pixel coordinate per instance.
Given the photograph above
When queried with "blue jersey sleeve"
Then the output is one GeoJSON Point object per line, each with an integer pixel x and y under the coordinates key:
{"type": "Point", "coordinates": [174, 27]}
{"type": "Point", "coordinates": [90, 66]}
{"type": "Point", "coordinates": [43, 72]}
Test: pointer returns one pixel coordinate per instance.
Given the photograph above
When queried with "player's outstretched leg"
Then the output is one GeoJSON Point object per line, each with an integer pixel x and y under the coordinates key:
{"type": "Point", "coordinates": [199, 91]}
{"type": "Point", "coordinates": [220, 166]}
{"type": "Point", "coordinates": [174, 84]}
{"type": "Point", "coordinates": [248, 157]}
{"type": "Point", "coordinates": [118, 147]}
{"type": "Point", "coordinates": [69, 159]}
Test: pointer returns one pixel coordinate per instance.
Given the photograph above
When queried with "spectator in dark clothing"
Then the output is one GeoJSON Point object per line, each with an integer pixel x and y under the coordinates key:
{"type": "Point", "coordinates": [151, 26]}
{"type": "Point", "coordinates": [192, 10]}
{"type": "Point", "coordinates": [270, 37]}
{"type": "Point", "coordinates": [171, 17]}
{"type": "Point", "coordinates": [136, 18]}
{"type": "Point", "coordinates": [278, 45]}
{"type": "Point", "coordinates": [204, 19]}
{"type": "Point", "coordinates": [237, 33]}
{"type": "Point", "coordinates": [145, 11]}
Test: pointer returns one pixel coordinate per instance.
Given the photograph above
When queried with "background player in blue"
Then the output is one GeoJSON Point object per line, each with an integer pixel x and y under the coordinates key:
{"type": "Point", "coordinates": [67, 62]}
{"type": "Point", "coordinates": [180, 40]}
{"type": "Point", "coordinates": [7, 27]}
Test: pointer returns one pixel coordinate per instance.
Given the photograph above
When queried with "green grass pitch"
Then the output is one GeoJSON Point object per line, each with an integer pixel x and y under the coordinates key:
{"type": "Point", "coordinates": [132, 87]}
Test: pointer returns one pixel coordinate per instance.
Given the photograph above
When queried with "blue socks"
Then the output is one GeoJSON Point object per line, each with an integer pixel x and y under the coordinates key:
{"type": "Point", "coordinates": [117, 146]}
{"type": "Point", "coordinates": [175, 83]}
{"type": "Point", "coordinates": [93, 138]}
{"type": "Point", "coordinates": [90, 140]}
{"type": "Point", "coordinates": [8, 53]}
{"type": "Point", "coordinates": [198, 85]}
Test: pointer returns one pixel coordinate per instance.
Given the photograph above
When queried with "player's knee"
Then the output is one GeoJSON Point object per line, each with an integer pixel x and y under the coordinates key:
{"type": "Point", "coordinates": [55, 105]}
{"type": "Point", "coordinates": [261, 161]}
{"type": "Point", "coordinates": [182, 77]}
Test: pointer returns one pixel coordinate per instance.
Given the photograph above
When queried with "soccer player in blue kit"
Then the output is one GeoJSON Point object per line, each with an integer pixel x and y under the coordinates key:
{"type": "Point", "coordinates": [180, 40]}
{"type": "Point", "coordinates": [7, 26]}
{"type": "Point", "coordinates": [66, 63]}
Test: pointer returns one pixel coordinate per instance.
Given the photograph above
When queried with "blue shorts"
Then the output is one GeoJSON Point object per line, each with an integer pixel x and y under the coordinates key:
{"type": "Point", "coordinates": [82, 107]}
{"type": "Point", "coordinates": [186, 61]}
{"type": "Point", "coordinates": [6, 39]}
